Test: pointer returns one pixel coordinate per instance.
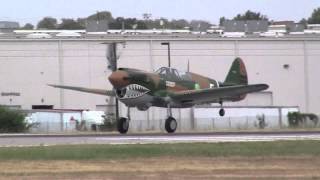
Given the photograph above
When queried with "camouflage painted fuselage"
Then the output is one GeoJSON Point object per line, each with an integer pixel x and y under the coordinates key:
{"type": "Point", "coordinates": [170, 88]}
{"type": "Point", "coordinates": [141, 89]}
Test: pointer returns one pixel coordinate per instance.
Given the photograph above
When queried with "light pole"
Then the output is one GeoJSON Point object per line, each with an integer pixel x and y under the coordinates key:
{"type": "Point", "coordinates": [169, 58]}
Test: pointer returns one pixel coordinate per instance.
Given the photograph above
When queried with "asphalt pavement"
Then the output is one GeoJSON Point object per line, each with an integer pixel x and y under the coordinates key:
{"type": "Point", "coordinates": [23, 140]}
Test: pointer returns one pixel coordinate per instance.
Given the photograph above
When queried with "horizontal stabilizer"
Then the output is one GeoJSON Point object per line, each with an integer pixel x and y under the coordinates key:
{"type": "Point", "coordinates": [215, 94]}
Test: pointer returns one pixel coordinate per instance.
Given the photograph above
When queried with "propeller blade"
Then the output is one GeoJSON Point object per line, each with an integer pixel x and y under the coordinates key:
{"type": "Point", "coordinates": [112, 56]}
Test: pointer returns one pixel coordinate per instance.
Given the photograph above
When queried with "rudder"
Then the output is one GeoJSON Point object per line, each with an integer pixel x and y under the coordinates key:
{"type": "Point", "coordinates": [237, 74]}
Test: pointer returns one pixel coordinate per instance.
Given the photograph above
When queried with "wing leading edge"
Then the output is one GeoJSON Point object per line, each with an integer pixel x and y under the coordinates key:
{"type": "Point", "coordinates": [215, 94]}
{"type": "Point", "coordinates": [87, 90]}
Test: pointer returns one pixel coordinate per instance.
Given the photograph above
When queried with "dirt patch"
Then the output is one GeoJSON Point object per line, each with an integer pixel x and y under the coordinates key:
{"type": "Point", "coordinates": [304, 167]}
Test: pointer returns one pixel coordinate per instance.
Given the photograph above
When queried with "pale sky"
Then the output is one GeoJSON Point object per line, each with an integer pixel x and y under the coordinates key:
{"type": "Point", "coordinates": [210, 10]}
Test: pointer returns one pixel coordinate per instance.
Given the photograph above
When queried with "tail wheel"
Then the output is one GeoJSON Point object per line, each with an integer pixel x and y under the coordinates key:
{"type": "Point", "coordinates": [171, 125]}
{"type": "Point", "coordinates": [222, 112]}
{"type": "Point", "coordinates": [123, 125]}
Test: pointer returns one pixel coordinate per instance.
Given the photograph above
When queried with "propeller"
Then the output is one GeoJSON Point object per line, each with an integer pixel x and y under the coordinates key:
{"type": "Point", "coordinates": [111, 55]}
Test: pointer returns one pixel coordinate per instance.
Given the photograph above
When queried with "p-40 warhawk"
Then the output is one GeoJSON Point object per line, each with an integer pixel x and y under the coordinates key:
{"type": "Point", "coordinates": [170, 88]}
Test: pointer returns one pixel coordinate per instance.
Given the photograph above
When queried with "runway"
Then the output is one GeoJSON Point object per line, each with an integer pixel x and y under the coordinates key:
{"type": "Point", "coordinates": [23, 140]}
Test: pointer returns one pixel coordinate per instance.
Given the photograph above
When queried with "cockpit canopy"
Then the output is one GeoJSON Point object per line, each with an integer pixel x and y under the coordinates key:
{"type": "Point", "coordinates": [172, 73]}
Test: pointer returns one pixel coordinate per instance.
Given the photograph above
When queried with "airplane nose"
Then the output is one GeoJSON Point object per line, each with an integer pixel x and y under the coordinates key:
{"type": "Point", "coordinates": [119, 79]}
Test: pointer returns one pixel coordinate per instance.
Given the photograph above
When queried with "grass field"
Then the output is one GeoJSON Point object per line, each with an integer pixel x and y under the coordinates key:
{"type": "Point", "coordinates": [247, 160]}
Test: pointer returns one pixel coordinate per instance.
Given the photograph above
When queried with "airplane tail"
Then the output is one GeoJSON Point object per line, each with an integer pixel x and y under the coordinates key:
{"type": "Point", "coordinates": [237, 74]}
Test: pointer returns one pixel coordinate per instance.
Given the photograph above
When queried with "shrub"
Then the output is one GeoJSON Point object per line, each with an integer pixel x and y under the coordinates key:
{"type": "Point", "coordinates": [297, 119]}
{"type": "Point", "coordinates": [12, 121]}
{"type": "Point", "coordinates": [110, 123]}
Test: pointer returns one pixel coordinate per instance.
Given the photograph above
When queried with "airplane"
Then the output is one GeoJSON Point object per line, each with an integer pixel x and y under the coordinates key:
{"type": "Point", "coordinates": [169, 88]}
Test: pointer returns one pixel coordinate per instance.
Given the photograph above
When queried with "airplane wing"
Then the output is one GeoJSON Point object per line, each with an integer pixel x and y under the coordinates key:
{"type": "Point", "coordinates": [215, 94]}
{"type": "Point", "coordinates": [87, 90]}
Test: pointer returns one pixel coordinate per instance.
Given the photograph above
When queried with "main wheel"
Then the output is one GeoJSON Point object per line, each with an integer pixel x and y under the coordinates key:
{"type": "Point", "coordinates": [222, 112]}
{"type": "Point", "coordinates": [123, 125]}
{"type": "Point", "coordinates": [171, 125]}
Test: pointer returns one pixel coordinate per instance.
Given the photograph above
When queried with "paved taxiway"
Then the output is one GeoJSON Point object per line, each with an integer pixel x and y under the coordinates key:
{"type": "Point", "coordinates": [47, 140]}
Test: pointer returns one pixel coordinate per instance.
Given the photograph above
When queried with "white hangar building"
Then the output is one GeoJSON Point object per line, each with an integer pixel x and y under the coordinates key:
{"type": "Point", "coordinates": [289, 65]}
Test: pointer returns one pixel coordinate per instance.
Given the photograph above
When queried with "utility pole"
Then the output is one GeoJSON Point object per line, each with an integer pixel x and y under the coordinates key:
{"type": "Point", "coordinates": [169, 56]}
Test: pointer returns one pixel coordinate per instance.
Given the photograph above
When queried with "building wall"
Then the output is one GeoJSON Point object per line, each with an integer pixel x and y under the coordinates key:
{"type": "Point", "coordinates": [28, 65]}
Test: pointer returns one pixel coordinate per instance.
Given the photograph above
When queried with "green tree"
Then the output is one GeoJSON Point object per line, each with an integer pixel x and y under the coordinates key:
{"type": "Point", "coordinates": [157, 23]}
{"type": "Point", "coordinates": [12, 121]}
{"type": "Point", "coordinates": [117, 23]}
{"type": "Point", "coordinates": [82, 21]}
{"type": "Point", "coordinates": [141, 25]}
{"type": "Point", "coordinates": [222, 20]}
{"type": "Point", "coordinates": [250, 15]}
{"type": "Point", "coordinates": [47, 23]}
{"type": "Point", "coordinates": [178, 24]}
{"type": "Point", "coordinates": [129, 23]}
{"type": "Point", "coordinates": [315, 17]}
{"type": "Point", "coordinates": [199, 25]}
{"type": "Point", "coordinates": [104, 15]}
{"type": "Point", "coordinates": [70, 24]}
{"type": "Point", "coordinates": [304, 22]}
{"type": "Point", "coordinates": [28, 26]}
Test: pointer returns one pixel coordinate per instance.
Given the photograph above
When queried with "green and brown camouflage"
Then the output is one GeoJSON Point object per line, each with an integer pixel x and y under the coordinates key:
{"type": "Point", "coordinates": [237, 74]}
{"type": "Point", "coordinates": [166, 84]}
{"type": "Point", "coordinates": [169, 87]}
{"type": "Point", "coordinates": [182, 80]}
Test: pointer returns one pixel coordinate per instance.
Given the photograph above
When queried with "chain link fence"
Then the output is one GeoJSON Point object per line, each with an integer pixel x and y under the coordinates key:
{"type": "Point", "coordinates": [189, 120]}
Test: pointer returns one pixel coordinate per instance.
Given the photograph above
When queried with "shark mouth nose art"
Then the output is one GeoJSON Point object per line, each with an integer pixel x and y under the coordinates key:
{"type": "Point", "coordinates": [132, 91]}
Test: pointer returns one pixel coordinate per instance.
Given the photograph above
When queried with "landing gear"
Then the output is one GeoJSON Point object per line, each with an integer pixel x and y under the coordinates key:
{"type": "Point", "coordinates": [221, 111]}
{"type": "Point", "coordinates": [171, 123]}
{"type": "Point", "coordinates": [123, 123]}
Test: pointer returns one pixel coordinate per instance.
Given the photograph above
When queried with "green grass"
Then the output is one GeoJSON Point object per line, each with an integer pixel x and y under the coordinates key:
{"type": "Point", "coordinates": [105, 152]}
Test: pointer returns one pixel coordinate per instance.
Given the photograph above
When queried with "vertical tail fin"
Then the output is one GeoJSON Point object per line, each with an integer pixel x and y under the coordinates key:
{"type": "Point", "coordinates": [237, 73]}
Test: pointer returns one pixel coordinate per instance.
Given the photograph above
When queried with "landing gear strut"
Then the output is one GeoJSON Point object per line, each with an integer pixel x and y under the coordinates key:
{"type": "Point", "coordinates": [123, 123]}
{"type": "Point", "coordinates": [171, 123]}
{"type": "Point", "coordinates": [221, 111]}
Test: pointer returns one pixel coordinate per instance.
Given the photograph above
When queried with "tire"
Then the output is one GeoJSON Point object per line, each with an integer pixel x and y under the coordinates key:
{"type": "Point", "coordinates": [171, 125]}
{"type": "Point", "coordinates": [123, 125]}
{"type": "Point", "coordinates": [222, 112]}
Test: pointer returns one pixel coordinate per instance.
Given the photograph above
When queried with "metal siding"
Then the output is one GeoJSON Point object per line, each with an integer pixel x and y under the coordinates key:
{"type": "Point", "coordinates": [83, 63]}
